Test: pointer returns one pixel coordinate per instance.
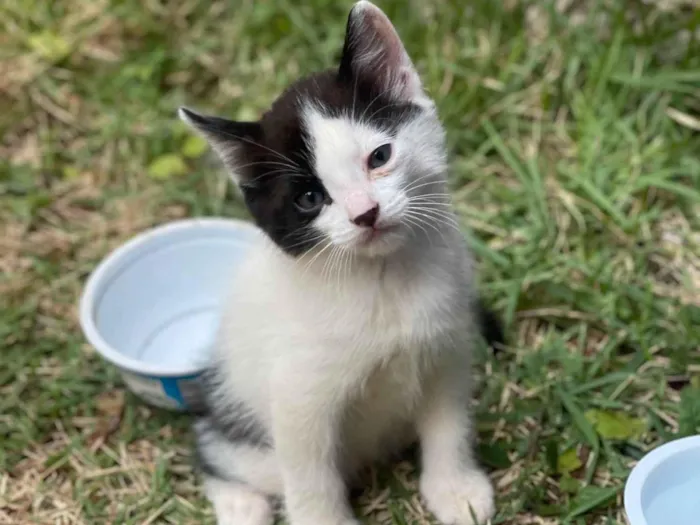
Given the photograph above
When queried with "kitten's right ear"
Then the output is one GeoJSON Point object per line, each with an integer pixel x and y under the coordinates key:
{"type": "Point", "coordinates": [230, 139]}
{"type": "Point", "coordinates": [373, 51]}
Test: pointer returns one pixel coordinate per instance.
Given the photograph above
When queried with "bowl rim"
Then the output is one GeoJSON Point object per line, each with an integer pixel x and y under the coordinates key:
{"type": "Point", "coordinates": [640, 473]}
{"type": "Point", "coordinates": [113, 259]}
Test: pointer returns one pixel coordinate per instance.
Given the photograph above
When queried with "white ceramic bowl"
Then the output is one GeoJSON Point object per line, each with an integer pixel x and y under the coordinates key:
{"type": "Point", "coordinates": [151, 307]}
{"type": "Point", "coordinates": [664, 487]}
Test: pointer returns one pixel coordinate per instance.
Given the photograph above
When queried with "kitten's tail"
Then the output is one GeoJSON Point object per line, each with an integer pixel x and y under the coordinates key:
{"type": "Point", "coordinates": [490, 326]}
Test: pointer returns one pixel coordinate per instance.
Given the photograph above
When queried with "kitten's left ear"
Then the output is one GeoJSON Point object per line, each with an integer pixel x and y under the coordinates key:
{"type": "Point", "coordinates": [373, 52]}
{"type": "Point", "coordinates": [230, 139]}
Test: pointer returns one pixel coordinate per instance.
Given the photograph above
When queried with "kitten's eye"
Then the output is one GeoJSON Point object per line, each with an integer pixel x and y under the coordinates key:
{"type": "Point", "coordinates": [309, 201]}
{"type": "Point", "coordinates": [379, 156]}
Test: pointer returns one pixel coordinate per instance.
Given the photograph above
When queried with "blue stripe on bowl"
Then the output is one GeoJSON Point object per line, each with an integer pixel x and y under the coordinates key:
{"type": "Point", "coordinates": [172, 390]}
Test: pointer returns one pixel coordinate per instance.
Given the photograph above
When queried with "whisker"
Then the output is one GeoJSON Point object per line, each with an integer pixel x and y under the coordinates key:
{"type": "Point", "coordinates": [397, 197]}
{"type": "Point", "coordinates": [322, 273]}
{"type": "Point", "coordinates": [270, 162]}
{"type": "Point", "coordinates": [409, 224]}
{"type": "Point", "coordinates": [428, 203]}
{"type": "Point", "coordinates": [323, 249]}
{"type": "Point", "coordinates": [425, 175]}
{"type": "Point", "coordinates": [414, 183]}
{"type": "Point", "coordinates": [249, 141]}
{"type": "Point", "coordinates": [429, 223]}
{"type": "Point", "coordinates": [276, 172]}
{"type": "Point", "coordinates": [445, 195]}
{"type": "Point", "coordinates": [327, 274]}
{"type": "Point", "coordinates": [414, 188]}
{"type": "Point", "coordinates": [436, 215]}
{"type": "Point", "coordinates": [340, 266]}
{"type": "Point", "coordinates": [416, 223]}
{"type": "Point", "coordinates": [299, 231]}
{"type": "Point", "coordinates": [434, 223]}
{"type": "Point", "coordinates": [333, 260]}
{"type": "Point", "coordinates": [304, 241]}
{"type": "Point", "coordinates": [429, 207]}
{"type": "Point", "coordinates": [351, 261]}
{"type": "Point", "coordinates": [281, 156]}
{"type": "Point", "coordinates": [438, 212]}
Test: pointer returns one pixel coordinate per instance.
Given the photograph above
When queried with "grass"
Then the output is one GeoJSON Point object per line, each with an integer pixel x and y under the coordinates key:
{"type": "Point", "coordinates": [573, 130]}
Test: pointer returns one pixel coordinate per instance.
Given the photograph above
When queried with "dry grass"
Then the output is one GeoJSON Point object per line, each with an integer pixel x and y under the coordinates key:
{"type": "Point", "coordinates": [573, 129]}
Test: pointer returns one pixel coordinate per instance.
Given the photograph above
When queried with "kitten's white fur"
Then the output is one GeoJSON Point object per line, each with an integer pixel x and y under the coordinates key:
{"type": "Point", "coordinates": [353, 350]}
{"type": "Point", "coordinates": [348, 365]}
{"type": "Point", "coordinates": [344, 375]}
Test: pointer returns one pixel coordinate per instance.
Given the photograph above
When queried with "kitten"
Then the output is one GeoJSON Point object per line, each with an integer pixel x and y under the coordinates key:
{"type": "Point", "coordinates": [348, 333]}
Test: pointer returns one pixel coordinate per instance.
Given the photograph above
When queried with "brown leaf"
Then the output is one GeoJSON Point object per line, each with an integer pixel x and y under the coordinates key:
{"type": "Point", "coordinates": [110, 405]}
{"type": "Point", "coordinates": [584, 453]}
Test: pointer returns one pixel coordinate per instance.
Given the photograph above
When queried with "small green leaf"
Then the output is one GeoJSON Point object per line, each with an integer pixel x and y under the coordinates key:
{"type": "Point", "coordinates": [50, 46]}
{"type": "Point", "coordinates": [70, 172]}
{"type": "Point", "coordinates": [167, 166]}
{"type": "Point", "coordinates": [569, 484]}
{"type": "Point", "coordinates": [568, 461]}
{"type": "Point", "coordinates": [611, 424]}
{"type": "Point", "coordinates": [194, 147]}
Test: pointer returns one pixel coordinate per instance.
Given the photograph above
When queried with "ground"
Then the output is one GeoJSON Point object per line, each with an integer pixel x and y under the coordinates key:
{"type": "Point", "coordinates": [574, 137]}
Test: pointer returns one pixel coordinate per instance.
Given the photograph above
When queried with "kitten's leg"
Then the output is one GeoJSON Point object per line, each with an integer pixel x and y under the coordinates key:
{"type": "Point", "coordinates": [238, 477]}
{"type": "Point", "coordinates": [455, 489]}
{"type": "Point", "coordinates": [306, 418]}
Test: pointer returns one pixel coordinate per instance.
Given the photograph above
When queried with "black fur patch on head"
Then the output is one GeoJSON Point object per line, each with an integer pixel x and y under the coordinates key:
{"type": "Point", "coordinates": [273, 158]}
{"type": "Point", "coordinates": [272, 161]}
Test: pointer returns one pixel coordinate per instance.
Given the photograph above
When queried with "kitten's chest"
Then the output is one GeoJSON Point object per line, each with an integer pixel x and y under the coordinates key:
{"type": "Point", "coordinates": [395, 314]}
{"type": "Point", "coordinates": [397, 380]}
{"type": "Point", "coordinates": [380, 415]}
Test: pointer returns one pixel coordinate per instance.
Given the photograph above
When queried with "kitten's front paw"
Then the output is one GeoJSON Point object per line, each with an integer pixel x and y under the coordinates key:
{"type": "Point", "coordinates": [237, 504]}
{"type": "Point", "coordinates": [315, 522]}
{"type": "Point", "coordinates": [459, 499]}
{"type": "Point", "coordinates": [243, 509]}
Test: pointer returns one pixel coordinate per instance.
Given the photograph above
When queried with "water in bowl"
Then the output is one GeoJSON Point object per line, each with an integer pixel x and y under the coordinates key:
{"type": "Point", "coordinates": [182, 339]}
{"type": "Point", "coordinates": [677, 504]}
{"type": "Point", "coordinates": [671, 494]}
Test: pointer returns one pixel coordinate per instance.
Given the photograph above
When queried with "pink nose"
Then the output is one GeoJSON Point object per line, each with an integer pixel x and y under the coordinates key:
{"type": "Point", "coordinates": [368, 218]}
{"type": "Point", "coordinates": [362, 209]}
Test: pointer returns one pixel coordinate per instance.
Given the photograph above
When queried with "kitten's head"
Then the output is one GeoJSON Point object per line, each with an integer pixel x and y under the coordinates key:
{"type": "Point", "coordinates": [350, 158]}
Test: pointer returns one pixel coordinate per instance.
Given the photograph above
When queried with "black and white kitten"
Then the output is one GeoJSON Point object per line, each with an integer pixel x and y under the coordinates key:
{"type": "Point", "coordinates": [349, 332]}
